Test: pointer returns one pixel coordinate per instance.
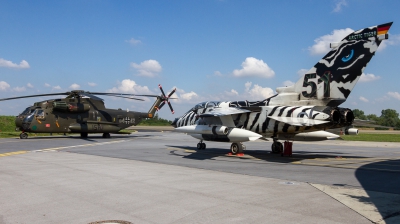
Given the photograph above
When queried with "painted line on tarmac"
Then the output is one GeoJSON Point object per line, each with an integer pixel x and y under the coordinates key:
{"type": "Point", "coordinates": [13, 153]}
{"type": "Point", "coordinates": [77, 146]}
{"type": "Point", "coordinates": [25, 140]}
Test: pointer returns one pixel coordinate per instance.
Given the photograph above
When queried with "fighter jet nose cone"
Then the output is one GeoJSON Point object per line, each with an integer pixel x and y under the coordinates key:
{"type": "Point", "coordinates": [175, 122]}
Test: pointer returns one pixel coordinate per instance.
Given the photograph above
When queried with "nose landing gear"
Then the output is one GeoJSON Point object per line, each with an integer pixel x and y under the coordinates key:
{"type": "Point", "coordinates": [201, 145]}
{"type": "Point", "coordinates": [237, 147]}
{"type": "Point", "coordinates": [23, 135]}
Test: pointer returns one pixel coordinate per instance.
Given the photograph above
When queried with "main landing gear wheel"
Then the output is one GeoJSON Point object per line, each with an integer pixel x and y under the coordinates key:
{"type": "Point", "coordinates": [237, 148]}
{"type": "Point", "coordinates": [84, 135]}
{"type": "Point", "coordinates": [277, 147]}
{"type": "Point", "coordinates": [23, 135]}
{"type": "Point", "coordinates": [106, 135]}
{"type": "Point", "coordinates": [201, 145]}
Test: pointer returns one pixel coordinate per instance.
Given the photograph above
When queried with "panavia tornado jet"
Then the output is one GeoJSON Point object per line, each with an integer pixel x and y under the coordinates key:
{"type": "Point", "coordinates": [302, 112]}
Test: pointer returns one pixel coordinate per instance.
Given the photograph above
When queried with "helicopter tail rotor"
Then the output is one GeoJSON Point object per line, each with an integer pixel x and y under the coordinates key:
{"type": "Point", "coordinates": [165, 99]}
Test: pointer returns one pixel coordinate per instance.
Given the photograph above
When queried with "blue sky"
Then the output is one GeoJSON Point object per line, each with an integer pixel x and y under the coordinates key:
{"type": "Point", "coordinates": [208, 50]}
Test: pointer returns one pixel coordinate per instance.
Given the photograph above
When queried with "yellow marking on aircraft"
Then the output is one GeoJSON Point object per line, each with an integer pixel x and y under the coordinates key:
{"type": "Point", "coordinates": [13, 153]}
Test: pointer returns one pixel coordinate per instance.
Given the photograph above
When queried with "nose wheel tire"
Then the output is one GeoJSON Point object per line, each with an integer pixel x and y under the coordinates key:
{"type": "Point", "coordinates": [23, 135]}
{"type": "Point", "coordinates": [106, 135]}
{"type": "Point", "coordinates": [84, 135]}
{"type": "Point", "coordinates": [201, 145]}
{"type": "Point", "coordinates": [237, 148]}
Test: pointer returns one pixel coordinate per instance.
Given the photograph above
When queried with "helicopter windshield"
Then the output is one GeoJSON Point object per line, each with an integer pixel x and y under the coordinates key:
{"type": "Point", "coordinates": [38, 113]}
{"type": "Point", "coordinates": [30, 117]}
{"type": "Point", "coordinates": [28, 110]}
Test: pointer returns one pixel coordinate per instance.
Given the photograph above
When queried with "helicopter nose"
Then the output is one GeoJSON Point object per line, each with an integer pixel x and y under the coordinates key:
{"type": "Point", "coordinates": [18, 122]}
{"type": "Point", "coordinates": [175, 122]}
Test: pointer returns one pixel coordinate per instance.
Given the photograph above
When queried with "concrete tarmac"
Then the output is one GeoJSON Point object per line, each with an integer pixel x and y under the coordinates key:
{"type": "Point", "coordinates": [159, 177]}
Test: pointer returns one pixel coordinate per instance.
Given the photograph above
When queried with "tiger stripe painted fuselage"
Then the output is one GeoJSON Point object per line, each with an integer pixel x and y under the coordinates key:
{"type": "Point", "coordinates": [308, 108]}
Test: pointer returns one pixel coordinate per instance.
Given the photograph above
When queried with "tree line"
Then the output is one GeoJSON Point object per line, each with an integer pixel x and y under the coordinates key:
{"type": "Point", "coordinates": [389, 117]}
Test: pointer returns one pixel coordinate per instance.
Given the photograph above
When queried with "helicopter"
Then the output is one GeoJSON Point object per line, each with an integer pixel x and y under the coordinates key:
{"type": "Point", "coordinates": [82, 112]}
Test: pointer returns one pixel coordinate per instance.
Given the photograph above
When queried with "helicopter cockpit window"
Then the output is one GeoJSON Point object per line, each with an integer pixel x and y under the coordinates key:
{"type": "Point", "coordinates": [28, 110]}
{"type": "Point", "coordinates": [40, 114]}
{"type": "Point", "coordinates": [30, 117]}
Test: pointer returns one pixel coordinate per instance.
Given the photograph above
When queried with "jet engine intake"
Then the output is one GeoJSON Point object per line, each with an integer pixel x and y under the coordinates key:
{"type": "Point", "coordinates": [78, 107]}
{"type": "Point", "coordinates": [71, 107]}
{"type": "Point", "coordinates": [60, 105]}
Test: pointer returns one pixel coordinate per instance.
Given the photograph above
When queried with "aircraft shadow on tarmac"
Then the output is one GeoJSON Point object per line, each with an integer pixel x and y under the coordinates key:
{"type": "Point", "coordinates": [386, 180]}
{"type": "Point", "coordinates": [265, 155]}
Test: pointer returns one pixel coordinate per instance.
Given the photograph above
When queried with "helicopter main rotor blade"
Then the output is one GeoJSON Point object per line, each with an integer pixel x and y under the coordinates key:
{"type": "Point", "coordinates": [38, 95]}
{"type": "Point", "coordinates": [130, 98]}
{"type": "Point", "coordinates": [121, 94]}
{"type": "Point", "coordinates": [90, 96]}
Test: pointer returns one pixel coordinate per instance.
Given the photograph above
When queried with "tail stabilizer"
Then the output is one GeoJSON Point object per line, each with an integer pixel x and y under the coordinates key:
{"type": "Point", "coordinates": [331, 80]}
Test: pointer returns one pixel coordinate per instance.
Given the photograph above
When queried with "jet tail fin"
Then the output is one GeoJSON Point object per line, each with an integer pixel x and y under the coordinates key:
{"type": "Point", "coordinates": [331, 80]}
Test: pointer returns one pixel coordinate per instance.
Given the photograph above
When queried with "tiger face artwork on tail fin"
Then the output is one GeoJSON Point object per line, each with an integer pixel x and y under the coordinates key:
{"type": "Point", "coordinates": [335, 75]}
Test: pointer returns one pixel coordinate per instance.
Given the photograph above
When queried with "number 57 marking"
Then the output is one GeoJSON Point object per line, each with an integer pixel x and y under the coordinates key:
{"type": "Point", "coordinates": [312, 81]}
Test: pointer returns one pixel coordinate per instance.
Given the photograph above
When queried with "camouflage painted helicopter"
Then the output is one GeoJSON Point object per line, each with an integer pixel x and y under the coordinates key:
{"type": "Point", "coordinates": [305, 111]}
{"type": "Point", "coordinates": [82, 112]}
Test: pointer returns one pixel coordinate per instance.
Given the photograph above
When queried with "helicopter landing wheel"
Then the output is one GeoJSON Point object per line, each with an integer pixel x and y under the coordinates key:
{"type": "Point", "coordinates": [84, 135]}
{"type": "Point", "coordinates": [106, 135]}
{"type": "Point", "coordinates": [23, 135]}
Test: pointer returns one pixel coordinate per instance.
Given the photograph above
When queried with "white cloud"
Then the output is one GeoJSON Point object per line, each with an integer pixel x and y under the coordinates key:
{"type": "Point", "coordinates": [133, 41]}
{"type": "Point", "coordinates": [232, 93]}
{"type": "Point", "coordinates": [368, 77]}
{"type": "Point", "coordinates": [302, 71]}
{"type": "Point", "coordinates": [254, 67]}
{"type": "Point", "coordinates": [130, 86]}
{"type": "Point", "coordinates": [256, 92]}
{"type": "Point", "coordinates": [56, 87]}
{"type": "Point", "coordinates": [4, 86]}
{"type": "Point", "coordinates": [75, 86]}
{"type": "Point", "coordinates": [92, 84]}
{"type": "Point", "coordinates": [188, 96]}
{"type": "Point", "coordinates": [364, 99]}
{"type": "Point", "coordinates": [47, 85]}
{"type": "Point", "coordinates": [322, 44]}
{"type": "Point", "coordinates": [184, 97]}
{"type": "Point", "coordinates": [288, 83]}
{"type": "Point", "coordinates": [29, 85]}
{"type": "Point", "coordinates": [19, 89]}
{"type": "Point", "coordinates": [217, 73]}
{"type": "Point", "coordinates": [393, 40]}
{"type": "Point", "coordinates": [149, 68]}
{"type": "Point", "coordinates": [395, 95]}
{"type": "Point", "coordinates": [339, 5]}
{"type": "Point", "coordinates": [9, 64]}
